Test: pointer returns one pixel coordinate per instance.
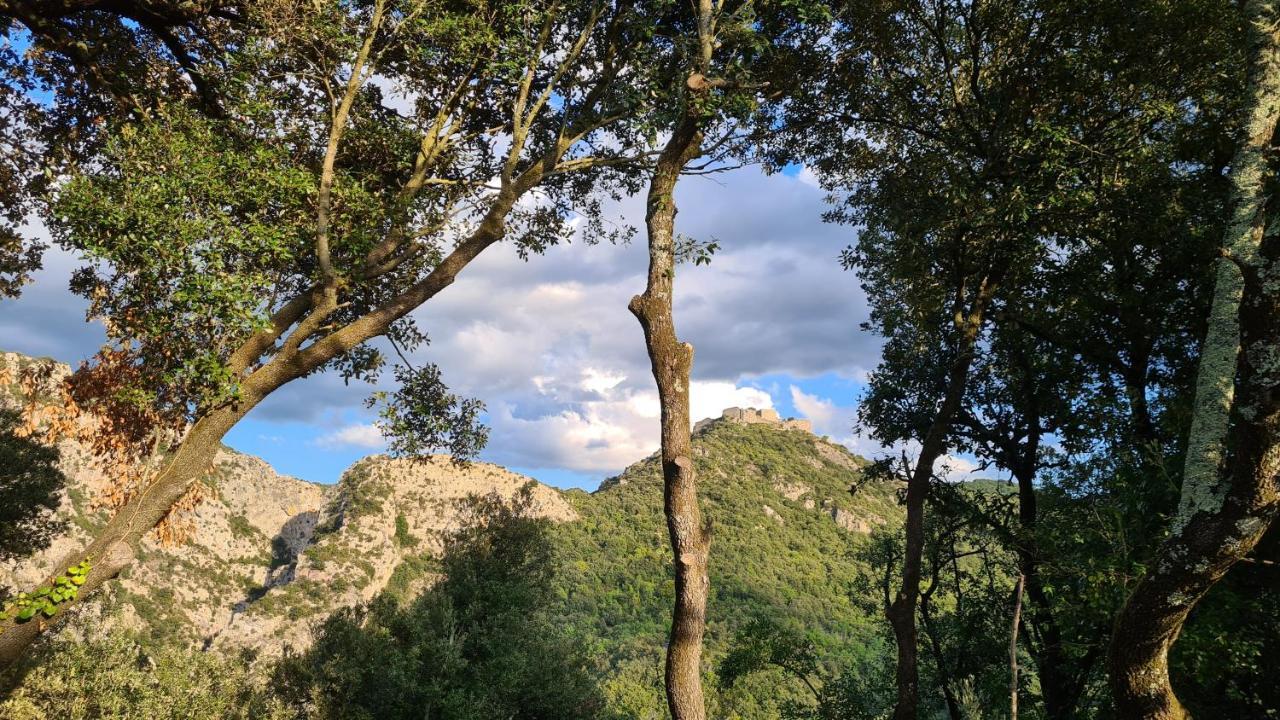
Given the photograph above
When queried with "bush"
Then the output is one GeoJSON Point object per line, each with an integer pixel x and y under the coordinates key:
{"type": "Point", "coordinates": [116, 678]}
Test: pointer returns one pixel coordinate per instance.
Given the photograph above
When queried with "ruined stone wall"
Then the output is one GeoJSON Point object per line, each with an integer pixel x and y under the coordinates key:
{"type": "Point", "coordinates": [754, 416]}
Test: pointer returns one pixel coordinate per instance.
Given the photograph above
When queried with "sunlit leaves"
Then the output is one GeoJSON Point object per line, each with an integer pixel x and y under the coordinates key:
{"type": "Point", "coordinates": [421, 416]}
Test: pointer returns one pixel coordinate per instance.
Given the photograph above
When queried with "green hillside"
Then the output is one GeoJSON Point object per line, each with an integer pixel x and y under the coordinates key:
{"type": "Point", "coordinates": [791, 561]}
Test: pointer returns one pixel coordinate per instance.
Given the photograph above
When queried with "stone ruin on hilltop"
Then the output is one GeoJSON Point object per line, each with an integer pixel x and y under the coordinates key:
{"type": "Point", "coordinates": [753, 416]}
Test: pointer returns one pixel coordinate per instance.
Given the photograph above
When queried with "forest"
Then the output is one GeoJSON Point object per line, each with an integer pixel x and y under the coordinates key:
{"type": "Point", "coordinates": [1055, 217]}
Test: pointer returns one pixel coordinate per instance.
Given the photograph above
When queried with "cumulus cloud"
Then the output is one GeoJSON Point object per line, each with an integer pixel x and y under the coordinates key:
{"type": "Point", "coordinates": [614, 427]}
{"type": "Point", "coordinates": [550, 347]}
{"type": "Point", "coordinates": [359, 435]}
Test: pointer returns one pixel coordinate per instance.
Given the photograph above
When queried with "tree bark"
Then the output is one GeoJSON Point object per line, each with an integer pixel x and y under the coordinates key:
{"type": "Point", "coordinates": [902, 612]}
{"type": "Point", "coordinates": [1225, 507]}
{"type": "Point", "coordinates": [1215, 385]}
{"type": "Point", "coordinates": [672, 362]}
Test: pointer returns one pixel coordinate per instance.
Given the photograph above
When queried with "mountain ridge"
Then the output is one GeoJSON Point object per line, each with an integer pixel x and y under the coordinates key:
{"type": "Point", "coordinates": [273, 555]}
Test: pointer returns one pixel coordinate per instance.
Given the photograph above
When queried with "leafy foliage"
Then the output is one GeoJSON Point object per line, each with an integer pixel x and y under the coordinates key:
{"type": "Point", "coordinates": [30, 486]}
{"type": "Point", "coordinates": [482, 643]}
{"type": "Point", "coordinates": [116, 677]}
{"type": "Point", "coordinates": [421, 415]}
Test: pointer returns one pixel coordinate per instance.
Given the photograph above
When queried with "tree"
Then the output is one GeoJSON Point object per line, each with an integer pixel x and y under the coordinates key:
{"type": "Point", "coordinates": [993, 146]}
{"type": "Point", "coordinates": [718, 48]}
{"type": "Point", "coordinates": [315, 218]}
{"type": "Point", "coordinates": [1230, 493]}
{"type": "Point", "coordinates": [929, 121]}
{"type": "Point", "coordinates": [481, 643]}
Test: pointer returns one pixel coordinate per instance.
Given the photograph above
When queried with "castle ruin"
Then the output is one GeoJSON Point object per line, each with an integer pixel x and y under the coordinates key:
{"type": "Point", "coordinates": [753, 416]}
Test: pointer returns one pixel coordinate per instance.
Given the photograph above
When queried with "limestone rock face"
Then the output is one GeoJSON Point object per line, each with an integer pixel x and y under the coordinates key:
{"type": "Point", "coordinates": [271, 553]}
{"type": "Point", "coordinates": [385, 520]}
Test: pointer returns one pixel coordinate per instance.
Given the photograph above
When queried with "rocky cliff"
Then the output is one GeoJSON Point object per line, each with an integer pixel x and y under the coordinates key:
{"type": "Point", "coordinates": [271, 552]}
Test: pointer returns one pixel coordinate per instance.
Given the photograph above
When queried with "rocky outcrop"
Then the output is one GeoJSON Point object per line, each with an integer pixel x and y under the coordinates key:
{"type": "Point", "coordinates": [270, 552]}
{"type": "Point", "coordinates": [387, 519]}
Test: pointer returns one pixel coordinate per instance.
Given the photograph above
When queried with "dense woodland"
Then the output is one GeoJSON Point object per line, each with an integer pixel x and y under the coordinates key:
{"type": "Point", "coordinates": [1060, 213]}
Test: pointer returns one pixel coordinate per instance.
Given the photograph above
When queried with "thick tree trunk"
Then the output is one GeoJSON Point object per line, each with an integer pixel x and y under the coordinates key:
{"type": "Point", "coordinates": [1224, 511]}
{"type": "Point", "coordinates": [902, 612]}
{"type": "Point", "coordinates": [1215, 386]}
{"type": "Point", "coordinates": [672, 362]}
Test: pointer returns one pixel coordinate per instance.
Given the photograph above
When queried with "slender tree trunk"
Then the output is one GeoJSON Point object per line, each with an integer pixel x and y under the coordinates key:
{"type": "Point", "coordinates": [672, 362]}
{"type": "Point", "coordinates": [1058, 684]}
{"type": "Point", "coordinates": [902, 612]}
{"type": "Point", "coordinates": [1224, 511]}
{"type": "Point", "coordinates": [1013, 648]}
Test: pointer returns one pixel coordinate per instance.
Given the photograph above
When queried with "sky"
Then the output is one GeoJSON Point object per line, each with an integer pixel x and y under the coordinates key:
{"type": "Point", "coordinates": [549, 346]}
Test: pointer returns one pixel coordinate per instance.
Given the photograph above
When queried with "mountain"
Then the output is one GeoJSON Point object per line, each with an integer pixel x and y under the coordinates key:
{"type": "Point", "coordinates": [272, 555]}
{"type": "Point", "coordinates": [270, 552]}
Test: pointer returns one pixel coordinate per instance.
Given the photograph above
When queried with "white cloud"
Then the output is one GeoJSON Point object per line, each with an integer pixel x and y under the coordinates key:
{"type": "Point", "coordinates": [551, 348]}
{"type": "Point", "coordinates": [361, 435]}
{"type": "Point", "coordinates": [709, 399]}
{"type": "Point", "coordinates": [954, 468]}
{"type": "Point", "coordinates": [821, 412]}
{"type": "Point", "coordinates": [616, 426]}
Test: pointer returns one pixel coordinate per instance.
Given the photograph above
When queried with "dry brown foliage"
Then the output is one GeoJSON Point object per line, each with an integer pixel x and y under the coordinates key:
{"type": "Point", "coordinates": [127, 440]}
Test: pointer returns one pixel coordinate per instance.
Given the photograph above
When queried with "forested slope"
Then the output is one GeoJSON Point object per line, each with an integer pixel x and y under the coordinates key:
{"type": "Point", "coordinates": [785, 533]}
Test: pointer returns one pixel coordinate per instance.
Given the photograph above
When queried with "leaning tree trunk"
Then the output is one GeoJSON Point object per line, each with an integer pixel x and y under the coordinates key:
{"type": "Point", "coordinates": [902, 611]}
{"type": "Point", "coordinates": [1225, 507]}
{"type": "Point", "coordinates": [672, 361]}
{"type": "Point", "coordinates": [116, 547]}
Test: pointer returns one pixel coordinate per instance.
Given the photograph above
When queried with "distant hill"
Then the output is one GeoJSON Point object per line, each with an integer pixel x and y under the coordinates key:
{"type": "Point", "coordinates": [785, 530]}
{"type": "Point", "coordinates": [274, 554]}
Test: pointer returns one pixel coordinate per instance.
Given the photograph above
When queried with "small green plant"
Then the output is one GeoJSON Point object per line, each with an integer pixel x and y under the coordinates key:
{"type": "Point", "coordinates": [403, 537]}
{"type": "Point", "coordinates": [45, 601]}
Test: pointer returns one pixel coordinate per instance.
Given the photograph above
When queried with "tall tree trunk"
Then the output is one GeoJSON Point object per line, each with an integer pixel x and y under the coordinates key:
{"type": "Point", "coordinates": [902, 612]}
{"type": "Point", "coordinates": [1223, 510]}
{"type": "Point", "coordinates": [672, 362]}
{"type": "Point", "coordinates": [1215, 385]}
